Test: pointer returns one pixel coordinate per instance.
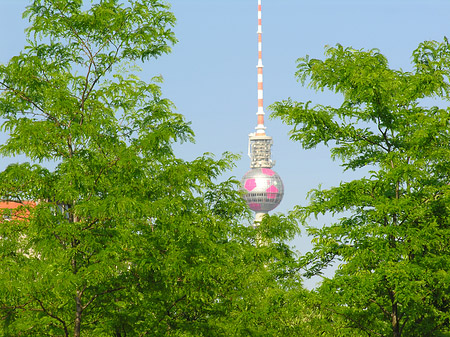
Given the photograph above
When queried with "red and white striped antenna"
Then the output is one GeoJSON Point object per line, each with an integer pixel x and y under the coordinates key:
{"type": "Point", "coordinates": [260, 128]}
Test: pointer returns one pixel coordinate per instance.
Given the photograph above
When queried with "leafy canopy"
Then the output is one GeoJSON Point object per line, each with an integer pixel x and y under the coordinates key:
{"type": "Point", "coordinates": [391, 234]}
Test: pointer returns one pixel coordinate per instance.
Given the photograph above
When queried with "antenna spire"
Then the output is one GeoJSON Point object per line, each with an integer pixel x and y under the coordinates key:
{"type": "Point", "coordinates": [260, 128]}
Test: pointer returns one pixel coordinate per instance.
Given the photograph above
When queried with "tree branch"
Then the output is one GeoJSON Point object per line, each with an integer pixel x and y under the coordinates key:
{"type": "Point", "coordinates": [385, 312]}
{"type": "Point", "coordinates": [21, 306]}
{"type": "Point", "coordinates": [371, 142]}
{"type": "Point", "coordinates": [66, 331]}
{"type": "Point", "coordinates": [356, 322]}
{"type": "Point", "coordinates": [171, 307]}
{"type": "Point", "coordinates": [22, 95]}
{"type": "Point", "coordinates": [100, 294]}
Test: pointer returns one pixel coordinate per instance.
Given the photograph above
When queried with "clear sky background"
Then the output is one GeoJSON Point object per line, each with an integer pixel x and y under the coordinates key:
{"type": "Point", "coordinates": [211, 74]}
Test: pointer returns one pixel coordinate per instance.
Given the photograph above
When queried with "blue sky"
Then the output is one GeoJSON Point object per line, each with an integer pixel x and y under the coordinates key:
{"type": "Point", "coordinates": [211, 74]}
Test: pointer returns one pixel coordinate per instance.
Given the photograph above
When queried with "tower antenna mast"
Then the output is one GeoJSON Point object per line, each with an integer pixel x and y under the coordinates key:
{"type": "Point", "coordinates": [263, 187]}
{"type": "Point", "coordinates": [260, 128]}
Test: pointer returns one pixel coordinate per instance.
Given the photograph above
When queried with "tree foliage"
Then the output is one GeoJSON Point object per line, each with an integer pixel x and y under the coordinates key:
{"type": "Point", "coordinates": [391, 236]}
{"type": "Point", "coordinates": [124, 238]}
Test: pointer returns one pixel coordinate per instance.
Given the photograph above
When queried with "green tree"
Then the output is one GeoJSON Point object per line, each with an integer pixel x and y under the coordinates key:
{"type": "Point", "coordinates": [392, 228]}
{"type": "Point", "coordinates": [123, 238]}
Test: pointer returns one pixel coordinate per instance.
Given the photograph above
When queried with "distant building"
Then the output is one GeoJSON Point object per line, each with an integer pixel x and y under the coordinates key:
{"type": "Point", "coordinates": [10, 210]}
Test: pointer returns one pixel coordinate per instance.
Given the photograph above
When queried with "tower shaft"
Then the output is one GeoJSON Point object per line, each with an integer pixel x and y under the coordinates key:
{"type": "Point", "coordinates": [259, 143]}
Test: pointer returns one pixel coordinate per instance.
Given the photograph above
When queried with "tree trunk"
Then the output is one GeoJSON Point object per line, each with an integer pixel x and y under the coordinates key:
{"type": "Point", "coordinates": [78, 304]}
{"type": "Point", "coordinates": [395, 319]}
{"type": "Point", "coordinates": [79, 310]}
{"type": "Point", "coordinates": [79, 294]}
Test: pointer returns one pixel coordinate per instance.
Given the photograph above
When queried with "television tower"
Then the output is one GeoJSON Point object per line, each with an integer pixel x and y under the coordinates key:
{"type": "Point", "coordinates": [263, 187]}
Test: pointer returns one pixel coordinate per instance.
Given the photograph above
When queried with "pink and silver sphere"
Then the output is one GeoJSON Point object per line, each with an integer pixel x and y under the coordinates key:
{"type": "Point", "coordinates": [263, 189]}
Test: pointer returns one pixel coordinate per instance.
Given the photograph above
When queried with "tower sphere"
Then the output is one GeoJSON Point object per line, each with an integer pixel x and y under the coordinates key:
{"type": "Point", "coordinates": [263, 189]}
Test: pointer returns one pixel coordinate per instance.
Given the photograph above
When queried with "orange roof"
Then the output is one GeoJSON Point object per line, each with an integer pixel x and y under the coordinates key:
{"type": "Point", "coordinates": [14, 205]}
